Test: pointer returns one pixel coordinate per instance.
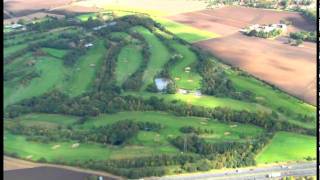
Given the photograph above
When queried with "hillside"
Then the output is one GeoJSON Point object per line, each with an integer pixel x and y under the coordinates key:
{"type": "Point", "coordinates": [85, 92]}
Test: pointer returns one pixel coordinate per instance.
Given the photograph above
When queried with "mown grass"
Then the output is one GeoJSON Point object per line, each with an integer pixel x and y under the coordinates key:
{"type": "Point", "coordinates": [51, 73]}
{"type": "Point", "coordinates": [204, 100]}
{"type": "Point", "coordinates": [57, 53]}
{"type": "Point", "coordinates": [9, 50]}
{"type": "Point", "coordinates": [24, 148]}
{"type": "Point", "coordinates": [129, 60]}
{"type": "Point", "coordinates": [83, 74]}
{"type": "Point", "coordinates": [159, 55]}
{"type": "Point", "coordinates": [185, 78]}
{"type": "Point", "coordinates": [288, 147]}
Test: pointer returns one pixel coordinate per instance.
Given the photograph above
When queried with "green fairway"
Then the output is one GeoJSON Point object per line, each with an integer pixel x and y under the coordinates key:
{"type": "Point", "coordinates": [47, 119]}
{"type": "Point", "coordinates": [129, 60]}
{"type": "Point", "coordinates": [204, 101]}
{"type": "Point", "coordinates": [84, 72]}
{"type": "Point", "coordinates": [288, 147]}
{"type": "Point", "coordinates": [145, 143]}
{"type": "Point", "coordinates": [53, 151]}
{"type": "Point", "coordinates": [9, 50]}
{"type": "Point", "coordinates": [51, 73]}
{"type": "Point", "coordinates": [172, 124]}
{"type": "Point", "coordinates": [58, 53]}
{"type": "Point", "coordinates": [159, 55]}
{"type": "Point", "coordinates": [183, 72]}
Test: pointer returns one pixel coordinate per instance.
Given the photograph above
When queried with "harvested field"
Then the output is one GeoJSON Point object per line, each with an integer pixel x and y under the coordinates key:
{"type": "Point", "coordinates": [22, 7]}
{"type": "Point", "coordinates": [228, 20]}
{"type": "Point", "coordinates": [31, 17]}
{"type": "Point", "coordinates": [290, 68]}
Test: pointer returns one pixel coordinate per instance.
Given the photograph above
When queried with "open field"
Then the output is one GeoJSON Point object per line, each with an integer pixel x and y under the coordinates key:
{"type": "Point", "coordinates": [31, 17]}
{"type": "Point", "coordinates": [51, 171]}
{"type": "Point", "coordinates": [271, 60]}
{"type": "Point", "coordinates": [288, 147]}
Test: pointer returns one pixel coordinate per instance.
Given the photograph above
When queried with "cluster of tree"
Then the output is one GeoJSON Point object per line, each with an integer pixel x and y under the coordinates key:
{"type": "Point", "coordinates": [109, 101]}
{"type": "Point", "coordinates": [105, 78]}
{"type": "Point", "coordinates": [304, 36]}
{"type": "Point", "coordinates": [115, 134]}
{"type": "Point", "coordinates": [262, 34]}
{"type": "Point", "coordinates": [190, 129]}
{"type": "Point", "coordinates": [25, 39]}
{"type": "Point", "coordinates": [51, 23]}
{"type": "Point", "coordinates": [310, 14]}
{"type": "Point", "coordinates": [73, 56]}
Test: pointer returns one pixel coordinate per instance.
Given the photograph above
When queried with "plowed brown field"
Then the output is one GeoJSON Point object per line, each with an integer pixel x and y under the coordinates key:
{"type": "Point", "coordinates": [291, 68]}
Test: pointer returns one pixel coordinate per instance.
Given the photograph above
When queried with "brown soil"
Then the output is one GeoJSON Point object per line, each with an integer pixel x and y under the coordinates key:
{"type": "Point", "coordinates": [23, 7]}
{"type": "Point", "coordinates": [21, 169]}
{"type": "Point", "coordinates": [291, 68]}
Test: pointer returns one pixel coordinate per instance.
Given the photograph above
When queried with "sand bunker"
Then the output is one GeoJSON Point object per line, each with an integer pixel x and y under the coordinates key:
{"type": "Point", "coordinates": [29, 157]}
{"type": "Point", "coordinates": [226, 133]}
{"type": "Point", "coordinates": [75, 145]}
{"type": "Point", "coordinates": [55, 146]}
{"type": "Point", "coordinates": [233, 126]}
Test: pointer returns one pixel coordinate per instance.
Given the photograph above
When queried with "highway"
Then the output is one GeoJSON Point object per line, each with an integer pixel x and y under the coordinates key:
{"type": "Point", "coordinates": [254, 173]}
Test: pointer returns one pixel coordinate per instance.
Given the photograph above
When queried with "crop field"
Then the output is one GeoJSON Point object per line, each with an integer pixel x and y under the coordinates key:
{"type": "Point", "coordinates": [288, 147]}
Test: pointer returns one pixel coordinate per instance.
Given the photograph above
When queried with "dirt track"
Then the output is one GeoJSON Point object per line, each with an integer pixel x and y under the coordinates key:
{"type": "Point", "coordinates": [292, 69]}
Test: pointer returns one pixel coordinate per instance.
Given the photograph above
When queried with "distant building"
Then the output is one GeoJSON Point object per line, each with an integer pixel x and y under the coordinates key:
{"type": "Point", "coordinates": [104, 26]}
{"type": "Point", "coordinates": [182, 91]}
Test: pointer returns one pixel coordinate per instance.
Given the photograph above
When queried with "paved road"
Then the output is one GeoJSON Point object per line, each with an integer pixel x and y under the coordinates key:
{"type": "Point", "coordinates": [258, 173]}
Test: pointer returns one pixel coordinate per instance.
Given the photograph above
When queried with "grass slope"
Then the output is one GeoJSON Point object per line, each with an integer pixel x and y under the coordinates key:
{"type": "Point", "coordinates": [204, 101]}
{"type": "Point", "coordinates": [288, 147]}
{"type": "Point", "coordinates": [184, 79]}
{"type": "Point", "coordinates": [129, 60]}
{"type": "Point", "coordinates": [51, 73]}
{"type": "Point", "coordinates": [57, 53]}
{"type": "Point", "coordinates": [83, 74]}
{"type": "Point", "coordinates": [159, 55]}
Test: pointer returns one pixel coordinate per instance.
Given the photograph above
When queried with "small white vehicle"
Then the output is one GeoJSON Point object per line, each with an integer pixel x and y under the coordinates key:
{"type": "Point", "coordinates": [274, 174]}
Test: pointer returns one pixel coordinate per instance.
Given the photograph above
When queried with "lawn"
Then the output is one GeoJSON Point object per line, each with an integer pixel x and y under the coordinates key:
{"type": "Point", "coordinates": [129, 60]}
{"type": "Point", "coordinates": [172, 124]}
{"type": "Point", "coordinates": [47, 119]}
{"type": "Point", "coordinates": [65, 152]}
{"type": "Point", "coordinates": [51, 73]}
{"type": "Point", "coordinates": [185, 78]}
{"type": "Point", "coordinates": [83, 74]}
{"type": "Point", "coordinates": [288, 147]}
{"type": "Point", "coordinates": [57, 53]}
{"type": "Point", "coordinates": [204, 100]}
{"type": "Point", "coordinates": [159, 55]}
